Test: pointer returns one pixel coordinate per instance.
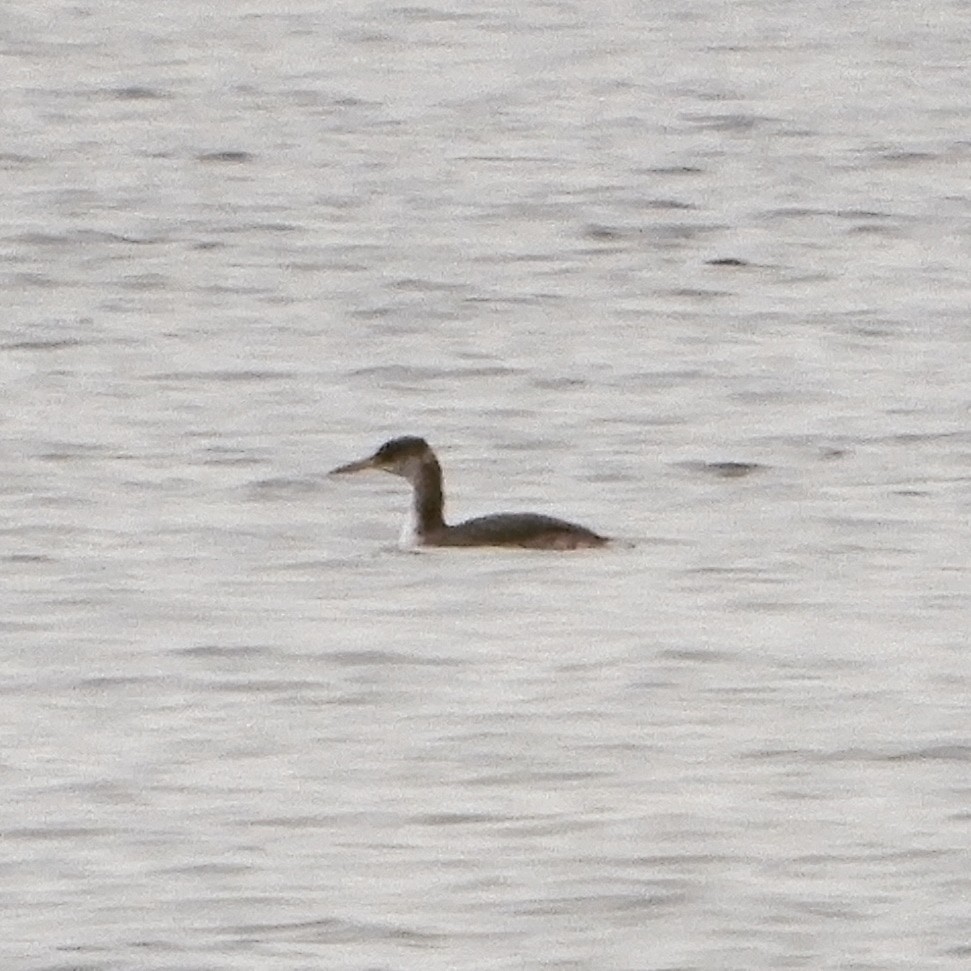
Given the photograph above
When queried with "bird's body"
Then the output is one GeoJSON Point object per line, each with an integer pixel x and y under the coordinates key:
{"type": "Point", "coordinates": [413, 459]}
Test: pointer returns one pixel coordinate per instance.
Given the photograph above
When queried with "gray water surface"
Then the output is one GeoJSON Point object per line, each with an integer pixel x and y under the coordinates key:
{"type": "Point", "coordinates": [693, 274]}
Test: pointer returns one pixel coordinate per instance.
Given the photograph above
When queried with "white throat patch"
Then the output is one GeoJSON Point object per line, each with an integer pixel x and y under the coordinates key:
{"type": "Point", "coordinates": [409, 530]}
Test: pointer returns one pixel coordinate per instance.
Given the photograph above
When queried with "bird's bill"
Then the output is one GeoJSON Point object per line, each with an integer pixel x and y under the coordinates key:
{"type": "Point", "coordinates": [359, 466]}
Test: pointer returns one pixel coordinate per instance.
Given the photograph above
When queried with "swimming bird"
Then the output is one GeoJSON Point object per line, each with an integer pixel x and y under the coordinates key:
{"type": "Point", "coordinates": [413, 459]}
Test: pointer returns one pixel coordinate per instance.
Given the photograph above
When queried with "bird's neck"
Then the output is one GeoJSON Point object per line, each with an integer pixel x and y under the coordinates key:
{"type": "Point", "coordinates": [428, 500]}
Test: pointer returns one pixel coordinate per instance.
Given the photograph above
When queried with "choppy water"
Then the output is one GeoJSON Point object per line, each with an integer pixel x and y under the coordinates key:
{"type": "Point", "coordinates": [594, 253]}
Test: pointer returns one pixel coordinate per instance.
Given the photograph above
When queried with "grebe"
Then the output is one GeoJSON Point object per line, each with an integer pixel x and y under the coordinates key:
{"type": "Point", "coordinates": [412, 459]}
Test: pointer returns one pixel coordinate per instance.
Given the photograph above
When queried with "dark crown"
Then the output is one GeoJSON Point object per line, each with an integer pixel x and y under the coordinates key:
{"type": "Point", "coordinates": [401, 448]}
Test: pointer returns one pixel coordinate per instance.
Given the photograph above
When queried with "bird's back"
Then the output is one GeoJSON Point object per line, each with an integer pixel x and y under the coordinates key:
{"type": "Point", "coordinates": [524, 530]}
